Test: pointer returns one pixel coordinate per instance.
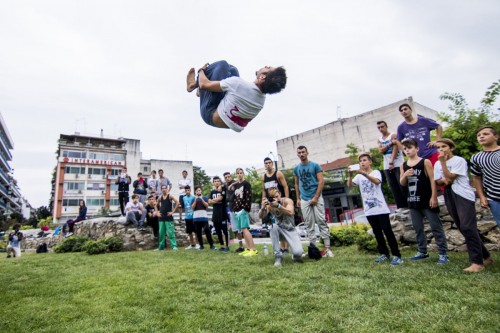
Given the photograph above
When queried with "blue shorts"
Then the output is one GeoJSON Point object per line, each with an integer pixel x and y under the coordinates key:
{"type": "Point", "coordinates": [242, 220]}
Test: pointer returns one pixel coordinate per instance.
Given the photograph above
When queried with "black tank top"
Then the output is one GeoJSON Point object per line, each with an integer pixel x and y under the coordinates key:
{"type": "Point", "coordinates": [165, 208]}
{"type": "Point", "coordinates": [419, 187]}
{"type": "Point", "coordinates": [273, 182]}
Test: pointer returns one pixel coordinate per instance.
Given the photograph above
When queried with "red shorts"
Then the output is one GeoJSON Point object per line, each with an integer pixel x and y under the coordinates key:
{"type": "Point", "coordinates": [434, 158]}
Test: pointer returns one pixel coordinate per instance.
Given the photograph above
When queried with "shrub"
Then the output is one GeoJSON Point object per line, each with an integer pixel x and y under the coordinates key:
{"type": "Point", "coordinates": [114, 243]}
{"type": "Point", "coordinates": [71, 244]}
{"type": "Point", "coordinates": [95, 247]}
{"type": "Point", "coordinates": [367, 243]}
{"type": "Point", "coordinates": [353, 234]}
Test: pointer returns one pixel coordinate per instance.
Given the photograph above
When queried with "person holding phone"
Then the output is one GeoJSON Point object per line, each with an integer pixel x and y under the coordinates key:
{"type": "Point", "coordinates": [200, 219]}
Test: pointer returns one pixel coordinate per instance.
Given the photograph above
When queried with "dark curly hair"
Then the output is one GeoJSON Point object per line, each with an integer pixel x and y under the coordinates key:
{"type": "Point", "coordinates": [275, 81]}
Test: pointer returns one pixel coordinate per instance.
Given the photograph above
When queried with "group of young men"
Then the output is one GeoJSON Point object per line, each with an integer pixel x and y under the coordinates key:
{"type": "Point", "coordinates": [430, 165]}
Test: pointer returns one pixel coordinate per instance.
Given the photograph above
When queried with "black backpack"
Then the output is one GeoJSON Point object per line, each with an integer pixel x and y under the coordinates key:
{"type": "Point", "coordinates": [42, 248]}
{"type": "Point", "coordinates": [313, 252]}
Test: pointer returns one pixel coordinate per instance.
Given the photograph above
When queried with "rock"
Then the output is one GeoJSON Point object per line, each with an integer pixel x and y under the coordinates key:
{"type": "Point", "coordinates": [447, 218]}
{"type": "Point", "coordinates": [493, 236]}
{"type": "Point", "coordinates": [454, 237]}
{"type": "Point", "coordinates": [485, 226]}
{"type": "Point", "coordinates": [492, 247]}
{"type": "Point", "coordinates": [410, 236]}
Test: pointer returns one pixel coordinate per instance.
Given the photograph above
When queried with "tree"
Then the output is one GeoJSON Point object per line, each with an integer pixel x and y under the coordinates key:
{"type": "Point", "coordinates": [462, 121]}
{"type": "Point", "coordinates": [200, 178]}
{"type": "Point", "coordinates": [252, 177]}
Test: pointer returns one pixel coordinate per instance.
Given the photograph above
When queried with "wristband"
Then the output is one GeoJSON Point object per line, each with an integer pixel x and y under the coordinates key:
{"type": "Point", "coordinates": [279, 205]}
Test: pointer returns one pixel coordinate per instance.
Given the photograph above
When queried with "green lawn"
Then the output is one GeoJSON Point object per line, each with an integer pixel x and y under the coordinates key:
{"type": "Point", "coordinates": [209, 291]}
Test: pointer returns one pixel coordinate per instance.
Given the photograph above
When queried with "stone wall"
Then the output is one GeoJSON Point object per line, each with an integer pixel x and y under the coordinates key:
{"type": "Point", "coordinates": [106, 227]}
{"type": "Point", "coordinates": [488, 229]}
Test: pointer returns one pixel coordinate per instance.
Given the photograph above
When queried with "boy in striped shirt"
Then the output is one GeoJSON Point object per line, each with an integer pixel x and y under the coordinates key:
{"type": "Point", "coordinates": [485, 167]}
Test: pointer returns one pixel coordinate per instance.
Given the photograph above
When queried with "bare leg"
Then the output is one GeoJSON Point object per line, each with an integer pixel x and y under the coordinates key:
{"type": "Point", "coordinates": [191, 81]}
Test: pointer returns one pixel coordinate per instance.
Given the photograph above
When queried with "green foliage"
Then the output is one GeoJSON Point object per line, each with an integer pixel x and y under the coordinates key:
{"type": "Point", "coordinates": [200, 178]}
{"type": "Point", "coordinates": [95, 247]}
{"type": "Point", "coordinates": [353, 152]}
{"type": "Point", "coordinates": [26, 227]}
{"type": "Point", "coordinates": [114, 243]}
{"type": "Point", "coordinates": [346, 235]}
{"type": "Point", "coordinates": [367, 243]}
{"type": "Point", "coordinates": [71, 244]}
{"type": "Point", "coordinates": [255, 181]}
{"type": "Point", "coordinates": [461, 121]}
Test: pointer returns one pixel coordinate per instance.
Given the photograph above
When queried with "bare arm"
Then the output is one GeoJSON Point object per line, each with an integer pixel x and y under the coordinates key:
{"type": "Point", "coordinates": [429, 170]}
{"type": "Point", "coordinates": [176, 205]}
{"type": "Point", "coordinates": [478, 184]}
{"type": "Point", "coordinates": [285, 209]}
{"type": "Point", "coordinates": [403, 179]}
{"type": "Point", "coordinates": [205, 84]}
{"type": "Point", "coordinates": [282, 181]}
{"type": "Point", "coordinates": [263, 187]}
{"type": "Point", "coordinates": [395, 150]}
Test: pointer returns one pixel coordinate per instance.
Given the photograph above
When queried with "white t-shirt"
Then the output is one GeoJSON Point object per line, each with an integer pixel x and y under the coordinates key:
{"type": "Point", "coordinates": [182, 183]}
{"type": "Point", "coordinates": [242, 102]}
{"type": "Point", "coordinates": [398, 160]}
{"type": "Point", "coordinates": [372, 195]}
{"type": "Point", "coordinates": [458, 166]}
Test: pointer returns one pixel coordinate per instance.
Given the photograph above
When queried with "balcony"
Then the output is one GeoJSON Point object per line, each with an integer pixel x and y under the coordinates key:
{"type": "Point", "coordinates": [4, 177]}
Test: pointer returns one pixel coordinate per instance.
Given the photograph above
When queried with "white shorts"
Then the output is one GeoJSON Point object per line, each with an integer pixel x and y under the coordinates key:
{"type": "Point", "coordinates": [16, 250]}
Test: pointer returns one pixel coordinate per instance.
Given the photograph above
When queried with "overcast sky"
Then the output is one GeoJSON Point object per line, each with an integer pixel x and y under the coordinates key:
{"type": "Point", "coordinates": [120, 66]}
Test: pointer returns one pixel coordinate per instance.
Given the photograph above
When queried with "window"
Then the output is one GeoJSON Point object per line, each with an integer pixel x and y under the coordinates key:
{"type": "Point", "coordinates": [71, 202]}
{"type": "Point", "coordinates": [114, 202]}
{"type": "Point", "coordinates": [95, 202]}
{"type": "Point", "coordinates": [97, 171]}
{"type": "Point", "coordinates": [74, 154]}
{"type": "Point", "coordinates": [113, 187]}
{"type": "Point", "coordinates": [99, 156]}
{"type": "Point", "coordinates": [146, 169]}
{"type": "Point", "coordinates": [96, 186]}
{"type": "Point", "coordinates": [115, 172]}
{"type": "Point", "coordinates": [117, 157]}
{"type": "Point", "coordinates": [73, 186]}
{"type": "Point", "coordinates": [75, 170]}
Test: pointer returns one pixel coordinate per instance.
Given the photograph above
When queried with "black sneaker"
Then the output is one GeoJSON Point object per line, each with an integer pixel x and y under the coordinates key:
{"type": "Point", "coordinates": [298, 259]}
{"type": "Point", "coordinates": [240, 249]}
{"type": "Point", "coordinates": [284, 251]}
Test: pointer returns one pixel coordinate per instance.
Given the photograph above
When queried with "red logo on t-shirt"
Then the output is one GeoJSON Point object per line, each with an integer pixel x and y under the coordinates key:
{"type": "Point", "coordinates": [237, 119]}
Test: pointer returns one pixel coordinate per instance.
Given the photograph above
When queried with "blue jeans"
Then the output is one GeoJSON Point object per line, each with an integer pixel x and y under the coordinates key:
{"type": "Point", "coordinates": [495, 210]}
{"type": "Point", "coordinates": [209, 101]}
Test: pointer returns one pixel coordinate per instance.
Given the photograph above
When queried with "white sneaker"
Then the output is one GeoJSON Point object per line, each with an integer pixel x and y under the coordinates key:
{"type": "Point", "coordinates": [328, 254]}
{"type": "Point", "coordinates": [190, 247]}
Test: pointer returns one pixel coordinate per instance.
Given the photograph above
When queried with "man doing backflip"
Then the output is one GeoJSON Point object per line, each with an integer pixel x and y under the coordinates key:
{"type": "Point", "coordinates": [226, 100]}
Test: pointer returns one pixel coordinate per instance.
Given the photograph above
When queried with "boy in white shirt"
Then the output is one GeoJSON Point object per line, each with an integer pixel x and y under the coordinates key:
{"type": "Point", "coordinates": [376, 209]}
{"type": "Point", "coordinates": [451, 171]}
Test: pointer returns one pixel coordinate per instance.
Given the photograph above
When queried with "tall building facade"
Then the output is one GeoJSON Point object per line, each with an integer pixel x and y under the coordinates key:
{"type": "Point", "coordinates": [87, 168]}
{"type": "Point", "coordinates": [11, 200]}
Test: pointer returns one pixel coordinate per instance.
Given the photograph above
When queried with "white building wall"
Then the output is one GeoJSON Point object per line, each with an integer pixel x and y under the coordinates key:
{"type": "Point", "coordinates": [328, 142]}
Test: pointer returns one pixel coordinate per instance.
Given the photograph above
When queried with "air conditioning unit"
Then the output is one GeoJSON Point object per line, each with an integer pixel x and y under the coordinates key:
{"type": "Point", "coordinates": [79, 191]}
{"type": "Point", "coordinates": [116, 192]}
{"type": "Point", "coordinates": [103, 176]}
{"type": "Point", "coordinates": [90, 176]}
{"type": "Point", "coordinates": [103, 192]}
{"type": "Point", "coordinates": [76, 175]}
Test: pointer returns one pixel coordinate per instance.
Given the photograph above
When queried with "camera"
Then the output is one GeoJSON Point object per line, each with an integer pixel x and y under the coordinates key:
{"type": "Point", "coordinates": [270, 199]}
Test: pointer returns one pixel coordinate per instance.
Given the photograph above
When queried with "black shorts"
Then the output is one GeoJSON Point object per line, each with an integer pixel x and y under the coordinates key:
{"type": "Point", "coordinates": [189, 226]}
{"type": "Point", "coordinates": [181, 201]}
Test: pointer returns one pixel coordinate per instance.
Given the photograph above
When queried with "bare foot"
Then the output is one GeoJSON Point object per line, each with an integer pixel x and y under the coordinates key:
{"type": "Point", "coordinates": [488, 261]}
{"type": "Point", "coordinates": [474, 268]}
{"type": "Point", "coordinates": [191, 81]}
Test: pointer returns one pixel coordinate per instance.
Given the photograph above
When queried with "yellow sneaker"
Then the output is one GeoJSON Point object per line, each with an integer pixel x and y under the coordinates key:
{"type": "Point", "coordinates": [244, 252]}
{"type": "Point", "coordinates": [251, 253]}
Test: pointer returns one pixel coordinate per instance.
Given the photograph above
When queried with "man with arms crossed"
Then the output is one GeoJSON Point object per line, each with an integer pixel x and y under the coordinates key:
{"type": "Point", "coordinates": [309, 183]}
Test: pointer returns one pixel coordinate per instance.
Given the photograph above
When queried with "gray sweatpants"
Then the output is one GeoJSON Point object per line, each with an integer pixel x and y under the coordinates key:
{"type": "Point", "coordinates": [132, 217]}
{"type": "Point", "coordinates": [417, 219]}
{"type": "Point", "coordinates": [291, 237]}
{"type": "Point", "coordinates": [315, 215]}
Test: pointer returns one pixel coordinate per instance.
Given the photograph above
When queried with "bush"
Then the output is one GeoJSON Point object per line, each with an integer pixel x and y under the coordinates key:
{"type": "Point", "coordinates": [95, 247]}
{"type": "Point", "coordinates": [71, 244]}
{"type": "Point", "coordinates": [367, 243]}
{"type": "Point", "coordinates": [346, 235]}
{"type": "Point", "coordinates": [114, 244]}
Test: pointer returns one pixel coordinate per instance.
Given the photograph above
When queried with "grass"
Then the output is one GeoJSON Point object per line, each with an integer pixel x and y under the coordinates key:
{"type": "Point", "coordinates": [208, 291]}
